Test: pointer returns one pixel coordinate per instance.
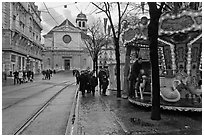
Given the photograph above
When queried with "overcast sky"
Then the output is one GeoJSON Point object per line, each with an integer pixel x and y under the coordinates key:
{"type": "Point", "coordinates": [60, 13]}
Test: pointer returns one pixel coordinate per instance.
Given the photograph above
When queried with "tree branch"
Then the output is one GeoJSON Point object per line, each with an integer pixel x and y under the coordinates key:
{"type": "Point", "coordinates": [125, 9]}
{"type": "Point", "coordinates": [98, 7]}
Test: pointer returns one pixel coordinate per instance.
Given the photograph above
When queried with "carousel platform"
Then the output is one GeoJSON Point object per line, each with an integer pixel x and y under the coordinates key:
{"type": "Point", "coordinates": [184, 104]}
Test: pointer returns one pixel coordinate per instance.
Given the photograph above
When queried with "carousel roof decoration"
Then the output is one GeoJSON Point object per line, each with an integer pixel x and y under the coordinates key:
{"type": "Point", "coordinates": [182, 22]}
{"type": "Point", "coordinates": [183, 26]}
{"type": "Point", "coordinates": [137, 32]}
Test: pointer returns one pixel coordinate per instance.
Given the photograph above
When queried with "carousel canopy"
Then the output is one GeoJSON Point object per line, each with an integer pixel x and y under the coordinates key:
{"type": "Point", "coordinates": [176, 26]}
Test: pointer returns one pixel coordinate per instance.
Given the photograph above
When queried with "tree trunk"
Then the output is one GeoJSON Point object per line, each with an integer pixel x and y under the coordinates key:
{"type": "Point", "coordinates": [94, 64]}
{"type": "Point", "coordinates": [117, 53]}
{"type": "Point", "coordinates": [127, 71]}
{"type": "Point", "coordinates": [153, 36]}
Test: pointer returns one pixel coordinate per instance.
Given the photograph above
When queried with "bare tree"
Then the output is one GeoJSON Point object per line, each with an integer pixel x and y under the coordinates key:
{"type": "Point", "coordinates": [94, 42]}
{"type": "Point", "coordinates": [106, 8]}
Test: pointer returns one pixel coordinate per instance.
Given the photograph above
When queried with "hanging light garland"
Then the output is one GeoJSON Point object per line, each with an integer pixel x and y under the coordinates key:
{"type": "Point", "coordinates": [183, 22]}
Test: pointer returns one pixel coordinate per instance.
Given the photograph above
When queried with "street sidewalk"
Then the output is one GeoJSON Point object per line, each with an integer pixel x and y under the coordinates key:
{"type": "Point", "coordinates": [108, 115]}
{"type": "Point", "coordinates": [94, 118]}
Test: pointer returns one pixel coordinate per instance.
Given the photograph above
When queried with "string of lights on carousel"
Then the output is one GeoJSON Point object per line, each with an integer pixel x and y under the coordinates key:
{"type": "Point", "coordinates": [168, 25]}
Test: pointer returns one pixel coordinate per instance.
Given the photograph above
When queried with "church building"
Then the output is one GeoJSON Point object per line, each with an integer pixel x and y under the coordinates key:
{"type": "Point", "coordinates": [65, 48]}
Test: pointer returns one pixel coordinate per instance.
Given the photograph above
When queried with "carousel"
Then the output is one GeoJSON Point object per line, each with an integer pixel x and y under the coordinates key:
{"type": "Point", "coordinates": [180, 50]}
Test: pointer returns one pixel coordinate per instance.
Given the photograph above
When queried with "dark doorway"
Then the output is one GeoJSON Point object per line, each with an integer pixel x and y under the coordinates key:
{"type": "Point", "coordinates": [67, 64]}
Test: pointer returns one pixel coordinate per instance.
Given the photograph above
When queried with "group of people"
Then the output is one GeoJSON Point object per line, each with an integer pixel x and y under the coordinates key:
{"type": "Point", "coordinates": [47, 74]}
{"type": "Point", "coordinates": [23, 76]}
{"type": "Point", "coordinates": [137, 79]}
{"type": "Point", "coordinates": [88, 81]}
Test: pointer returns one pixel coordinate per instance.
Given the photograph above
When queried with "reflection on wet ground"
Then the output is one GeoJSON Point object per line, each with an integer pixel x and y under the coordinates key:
{"type": "Point", "coordinates": [137, 118]}
{"type": "Point", "coordinates": [95, 118]}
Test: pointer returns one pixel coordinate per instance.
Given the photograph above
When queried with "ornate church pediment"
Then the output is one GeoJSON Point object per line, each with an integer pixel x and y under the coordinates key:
{"type": "Point", "coordinates": [67, 29]}
{"type": "Point", "coordinates": [66, 26]}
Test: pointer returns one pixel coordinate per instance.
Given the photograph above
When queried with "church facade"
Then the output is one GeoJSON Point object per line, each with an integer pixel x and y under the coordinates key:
{"type": "Point", "coordinates": [65, 48]}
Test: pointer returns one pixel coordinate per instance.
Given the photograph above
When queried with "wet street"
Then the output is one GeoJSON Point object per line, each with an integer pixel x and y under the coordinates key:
{"type": "Point", "coordinates": [47, 107]}
{"type": "Point", "coordinates": [38, 108]}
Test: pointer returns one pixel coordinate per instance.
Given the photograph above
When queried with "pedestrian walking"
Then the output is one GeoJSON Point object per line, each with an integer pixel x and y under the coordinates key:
{"type": "Point", "coordinates": [48, 74]}
{"type": "Point", "coordinates": [135, 70]}
{"type": "Point", "coordinates": [32, 76]}
{"type": "Point", "coordinates": [82, 83]}
{"type": "Point", "coordinates": [15, 80]}
{"type": "Point", "coordinates": [24, 76]}
{"type": "Point", "coordinates": [29, 75]}
{"type": "Point", "coordinates": [44, 74]}
{"type": "Point", "coordinates": [20, 77]}
{"type": "Point", "coordinates": [101, 74]}
{"type": "Point", "coordinates": [94, 83]}
{"type": "Point", "coordinates": [77, 74]}
{"type": "Point", "coordinates": [73, 72]}
{"type": "Point", "coordinates": [105, 83]}
{"type": "Point", "coordinates": [88, 82]}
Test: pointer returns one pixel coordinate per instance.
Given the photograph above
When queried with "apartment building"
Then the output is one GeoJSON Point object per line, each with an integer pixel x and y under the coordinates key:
{"type": "Point", "coordinates": [21, 37]}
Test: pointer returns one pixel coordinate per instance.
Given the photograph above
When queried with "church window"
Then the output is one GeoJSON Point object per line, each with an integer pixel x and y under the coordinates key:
{"type": "Point", "coordinates": [66, 38]}
{"type": "Point", "coordinates": [83, 24]}
{"type": "Point", "coordinates": [79, 23]}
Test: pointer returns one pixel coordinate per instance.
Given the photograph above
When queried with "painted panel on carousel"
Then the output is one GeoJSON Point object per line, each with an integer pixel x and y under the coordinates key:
{"type": "Point", "coordinates": [182, 22]}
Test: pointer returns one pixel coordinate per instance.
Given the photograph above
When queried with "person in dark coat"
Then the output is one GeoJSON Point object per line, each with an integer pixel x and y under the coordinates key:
{"type": "Point", "coordinates": [101, 74]}
{"type": "Point", "coordinates": [135, 70]}
{"type": "Point", "coordinates": [73, 72]}
{"type": "Point", "coordinates": [28, 75]}
{"type": "Point", "coordinates": [88, 82]}
{"type": "Point", "coordinates": [24, 76]}
{"type": "Point", "coordinates": [94, 83]}
{"type": "Point", "coordinates": [48, 74]}
{"type": "Point", "coordinates": [15, 80]}
{"type": "Point", "coordinates": [82, 83]}
{"type": "Point", "coordinates": [105, 83]}
{"type": "Point", "coordinates": [77, 74]}
{"type": "Point", "coordinates": [32, 75]}
{"type": "Point", "coordinates": [43, 73]}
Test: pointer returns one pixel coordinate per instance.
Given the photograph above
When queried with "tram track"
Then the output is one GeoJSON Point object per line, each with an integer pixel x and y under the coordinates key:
{"type": "Point", "coordinates": [33, 95]}
{"type": "Point", "coordinates": [38, 111]}
{"type": "Point", "coordinates": [27, 87]}
{"type": "Point", "coordinates": [12, 91]}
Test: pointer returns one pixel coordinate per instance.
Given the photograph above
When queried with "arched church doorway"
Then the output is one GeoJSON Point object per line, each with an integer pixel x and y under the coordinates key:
{"type": "Point", "coordinates": [67, 64]}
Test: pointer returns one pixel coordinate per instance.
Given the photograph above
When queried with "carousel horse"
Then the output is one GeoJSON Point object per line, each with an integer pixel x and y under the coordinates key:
{"type": "Point", "coordinates": [171, 94]}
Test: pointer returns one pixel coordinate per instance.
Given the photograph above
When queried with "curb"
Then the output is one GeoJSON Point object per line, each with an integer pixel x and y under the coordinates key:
{"type": "Point", "coordinates": [73, 115]}
{"type": "Point", "coordinates": [117, 119]}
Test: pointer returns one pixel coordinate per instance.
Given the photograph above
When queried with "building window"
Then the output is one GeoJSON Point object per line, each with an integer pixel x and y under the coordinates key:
{"type": "Point", "coordinates": [13, 58]}
{"type": "Point", "coordinates": [83, 24]}
{"type": "Point", "coordinates": [48, 60]}
{"type": "Point", "coordinates": [79, 23]}
{"type": "Point", "coordinates": [67, 39]}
